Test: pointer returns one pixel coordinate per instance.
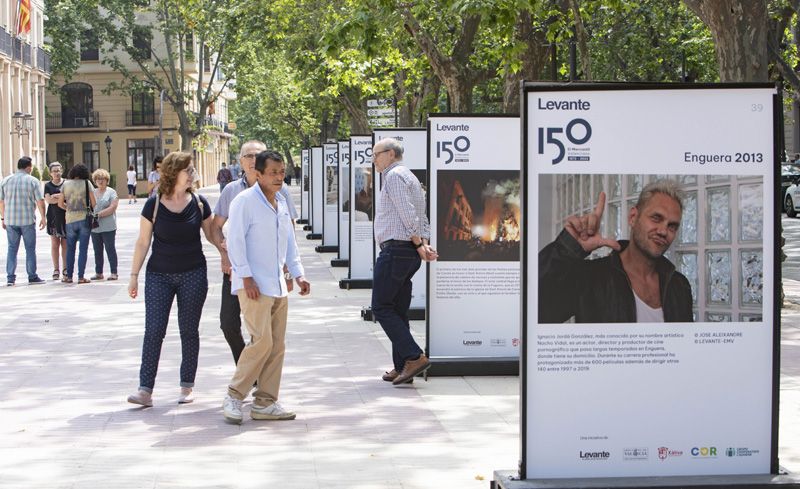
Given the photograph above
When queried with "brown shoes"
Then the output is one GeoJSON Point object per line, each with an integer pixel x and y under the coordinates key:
{"type": "Point", "coordinates": [390, 376]}
{"type": "Point", "coordinates": [411, 369]}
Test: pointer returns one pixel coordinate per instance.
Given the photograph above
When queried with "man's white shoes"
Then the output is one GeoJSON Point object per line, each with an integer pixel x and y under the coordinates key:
{"type": "Point", "coordinates": [232, 410]}
{"type": "Point", "coordinates": [274, 411]}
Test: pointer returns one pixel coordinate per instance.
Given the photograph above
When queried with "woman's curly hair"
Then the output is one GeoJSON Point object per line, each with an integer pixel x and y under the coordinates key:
{"type": "Point", "coordinates": [172, 165]}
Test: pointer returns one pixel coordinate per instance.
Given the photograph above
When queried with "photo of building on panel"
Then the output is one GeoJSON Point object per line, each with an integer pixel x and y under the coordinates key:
{"type": "Point", "coordinates": [346, 189]}
{"type": "Point", "coordinates": [331, 173]}
{"type": "Point", "coordinates": [478, 214]}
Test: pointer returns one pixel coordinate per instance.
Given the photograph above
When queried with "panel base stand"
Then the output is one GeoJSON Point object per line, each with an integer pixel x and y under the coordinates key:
{"type": "Point", "coordinates": [507, 479]}
{"type": "Point", "coordinates": [307, 227]}
{"type": "Point", "coordinates": [302, 221]}
{"type": "Point", "coordinates": [355, 283]}
{"type": "Point", "coordinates": [475, 366]}
{"type": "Point", "coordinates": [339, 262]}
{"type": "Point", "coordinates": [314, 236]}
{"type": "Point", "coordinates": [414, 314]}
{"type": "Point", "coordinates": [327, 249]}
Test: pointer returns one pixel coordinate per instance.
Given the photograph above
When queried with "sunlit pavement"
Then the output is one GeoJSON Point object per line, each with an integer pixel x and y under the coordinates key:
{"type": "Point", "coordinates": [69, 356]}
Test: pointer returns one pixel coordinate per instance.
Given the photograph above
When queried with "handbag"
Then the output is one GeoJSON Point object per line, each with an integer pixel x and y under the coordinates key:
{"type": "Point", "coordinates": [91, 218]}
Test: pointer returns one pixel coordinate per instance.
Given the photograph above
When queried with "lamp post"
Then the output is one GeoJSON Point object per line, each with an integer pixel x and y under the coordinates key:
{"type": "Point", "coordinates": [22, 124]}
{"type": "Point", "coordinates": [107, 140]}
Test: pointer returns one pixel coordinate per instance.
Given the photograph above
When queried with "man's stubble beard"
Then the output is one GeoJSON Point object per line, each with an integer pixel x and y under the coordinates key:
{"type": "Point", "coordinates": [640, 240]}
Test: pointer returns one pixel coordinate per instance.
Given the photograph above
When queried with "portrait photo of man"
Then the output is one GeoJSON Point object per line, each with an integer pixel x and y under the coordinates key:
{"type": "Point", "coordinates": [619, 248]}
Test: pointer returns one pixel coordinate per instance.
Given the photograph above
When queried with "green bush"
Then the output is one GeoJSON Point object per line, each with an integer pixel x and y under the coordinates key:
{"type": "Point", "coordinates": [46, 177]}
{"type": "Point", "coordinates": [36, 173]}
{"type": "Point", "coordinates": [113, 182]}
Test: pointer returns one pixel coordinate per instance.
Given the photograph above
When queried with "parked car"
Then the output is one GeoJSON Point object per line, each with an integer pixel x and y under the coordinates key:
{"type": "Point", "coordinates": [790, 175]}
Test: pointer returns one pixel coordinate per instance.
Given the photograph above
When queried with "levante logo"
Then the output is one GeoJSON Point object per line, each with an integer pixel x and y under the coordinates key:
{"type": "Point", "coordinates": [577, 132]}
{"type": "Point", "coordinates": [603, 455]}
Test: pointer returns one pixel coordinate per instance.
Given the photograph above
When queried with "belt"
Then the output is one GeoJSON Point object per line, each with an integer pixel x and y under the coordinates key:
{"type": "Point", "coordinates": [395, 242]}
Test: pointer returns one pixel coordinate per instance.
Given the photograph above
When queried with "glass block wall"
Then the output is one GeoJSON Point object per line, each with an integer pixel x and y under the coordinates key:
{"type": "Point", "coordinates": [719, 247]}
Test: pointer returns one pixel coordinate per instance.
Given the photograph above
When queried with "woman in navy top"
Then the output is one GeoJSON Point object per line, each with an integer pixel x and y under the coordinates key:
{"type": "Point", "coordinates": [172, 219]}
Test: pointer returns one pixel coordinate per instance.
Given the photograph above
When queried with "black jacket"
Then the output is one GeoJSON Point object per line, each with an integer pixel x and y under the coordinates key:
{"type": "Point", "coordinates": [598, 291]}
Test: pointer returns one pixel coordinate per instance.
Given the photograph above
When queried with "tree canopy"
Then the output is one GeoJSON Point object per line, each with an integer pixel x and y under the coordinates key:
{"type": "Point", "coordinates": [305, 69]}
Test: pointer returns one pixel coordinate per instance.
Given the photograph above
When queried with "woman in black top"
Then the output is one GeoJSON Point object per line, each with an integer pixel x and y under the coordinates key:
{"type": "Point", "coordinates": [177, 267]}
{"type": "Point", "coordinates": [56, 219]}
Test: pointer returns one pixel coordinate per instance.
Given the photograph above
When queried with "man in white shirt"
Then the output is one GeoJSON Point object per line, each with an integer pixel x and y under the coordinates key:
{"type": "Point", "coordinates": [261, 242]}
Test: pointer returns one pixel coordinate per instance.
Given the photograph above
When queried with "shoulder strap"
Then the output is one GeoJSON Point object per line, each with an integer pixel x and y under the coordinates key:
{"type": "Point", "coordinates": [155, 209]}
{"type": "Point", "coordinates": [199, 202]}
{"type": "Point", "coordinates": [88, 202]}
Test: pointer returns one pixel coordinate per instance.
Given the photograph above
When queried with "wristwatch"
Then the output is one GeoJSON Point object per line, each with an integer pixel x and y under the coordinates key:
{"type": "Point", "coordinates": [418, 245]}
{"type": "Point", "coordinates": [287, 276]}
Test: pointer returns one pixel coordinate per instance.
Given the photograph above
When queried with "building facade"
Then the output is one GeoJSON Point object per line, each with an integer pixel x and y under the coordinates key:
{"type": "Point", "coordinates": [24, 73]}
{"type": "Point", "coordinates": [112, 130]}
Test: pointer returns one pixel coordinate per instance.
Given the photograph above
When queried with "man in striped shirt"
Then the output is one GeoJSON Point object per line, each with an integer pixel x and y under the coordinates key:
{"type": "Point", "coordinates": [20, 196]}
{"type": "Point", "coordinates": [402, 230]}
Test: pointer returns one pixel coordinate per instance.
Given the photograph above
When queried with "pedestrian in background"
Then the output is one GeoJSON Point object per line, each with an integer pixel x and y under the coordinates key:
{"type": "Point", "coordinates": [224, 177]}
{"type": "Point", "coordinates": [177, 268]}
{"type": "Point", "coordinates": [402, 230]}
{"type": "Point", "coordinates": [56, 220]}
{"type": "Point", "coordinates": [105, 234]}
{"type": "Point", "coordinates": [131, 176]}
{"type": "Point", "coordinates": [77, 199]}
{"type": "Point", "coordinates": [20, 196]}
{"type": "Point", "coordinates": [154, 177]}
{"type": "Point", "coordinates": [236, 169]}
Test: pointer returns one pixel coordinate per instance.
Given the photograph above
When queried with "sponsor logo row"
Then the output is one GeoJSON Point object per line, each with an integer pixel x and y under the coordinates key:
{"type": "Point", "coordinates": [666, 453]}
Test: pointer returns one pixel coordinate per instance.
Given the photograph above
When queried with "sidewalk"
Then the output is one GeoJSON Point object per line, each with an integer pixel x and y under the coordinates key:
{"type": "Point", "coordinates": [69, 356]}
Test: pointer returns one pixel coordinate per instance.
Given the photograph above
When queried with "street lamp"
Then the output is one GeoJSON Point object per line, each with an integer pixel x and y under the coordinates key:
{"type": "Point", "coordinates": [107, 140]}
{"type": "Point", "coordinates": [22, 124]}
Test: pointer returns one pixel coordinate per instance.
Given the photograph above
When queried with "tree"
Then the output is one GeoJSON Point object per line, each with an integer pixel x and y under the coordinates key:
{"type": "Point", "coordinates": [739, 28]}
{"type": "Point", "coordinates": [152, 46]}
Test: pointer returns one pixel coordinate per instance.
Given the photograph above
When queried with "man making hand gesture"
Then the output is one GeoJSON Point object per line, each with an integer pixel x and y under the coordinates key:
{"type": "Point", "coordinates": [635, 283]}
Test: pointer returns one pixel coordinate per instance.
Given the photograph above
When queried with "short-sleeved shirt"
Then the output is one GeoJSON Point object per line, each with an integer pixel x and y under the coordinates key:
{"type": "Point", "coordinates": [226, 197]}
{"type": "Point", "coordinates": [20, 192]}
{"type": "Point", "coordinates": [153, 178]}
{"type": "Point", "coordinates": [107, 223]}
{"type": "Point", "coordinates": [75, 198]}
{"type": "Point", "coordinates": [176, 236]}
{"type": "Point", "coordinates": [131, 177]}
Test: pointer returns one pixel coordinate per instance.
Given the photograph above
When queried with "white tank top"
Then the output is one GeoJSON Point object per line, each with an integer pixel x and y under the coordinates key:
{"type": "Point", "coordinates": [647, 314]}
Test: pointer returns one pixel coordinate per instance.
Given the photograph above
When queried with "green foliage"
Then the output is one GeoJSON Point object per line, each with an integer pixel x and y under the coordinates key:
{"type": "Point", "coordinates": [35, 172]}
{"type": "Point", "coordinates": [46, 177]}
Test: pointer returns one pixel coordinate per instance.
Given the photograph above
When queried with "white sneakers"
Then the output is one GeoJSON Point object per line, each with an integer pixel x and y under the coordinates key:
{"type": "Point", "coordinates": [232, 410]}
{"type": "Point", "coordinates": [274, 411]}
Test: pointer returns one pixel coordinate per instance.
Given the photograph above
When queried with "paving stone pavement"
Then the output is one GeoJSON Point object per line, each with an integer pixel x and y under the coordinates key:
{"type": "Point", "coordinates": [69, 356]}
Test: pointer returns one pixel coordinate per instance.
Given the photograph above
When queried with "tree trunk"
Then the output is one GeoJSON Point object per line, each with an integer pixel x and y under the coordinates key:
{"type": "Point", "coordinates": [583, 40]}
{"type": "Point", "coordinates": [356, 113]}
{"type": "Point", "coordinates": [534, 57]}
{"type": "Point", "coordinates": [739, 29]}
{"type": "Point", "coordinates": [453, 71]}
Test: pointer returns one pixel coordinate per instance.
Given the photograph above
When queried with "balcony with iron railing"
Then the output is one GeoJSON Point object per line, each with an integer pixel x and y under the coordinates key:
{"type": "Point", "coordinates": [140, 118]}
{"type": "Point", "coordinates": [72, 120]}
{"type": "Point", "coordinates": [26, 54]}
{"type": "Point", "coordinates": [5, 42]}
{"type": "Point", "coordinates": [43, 60]}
